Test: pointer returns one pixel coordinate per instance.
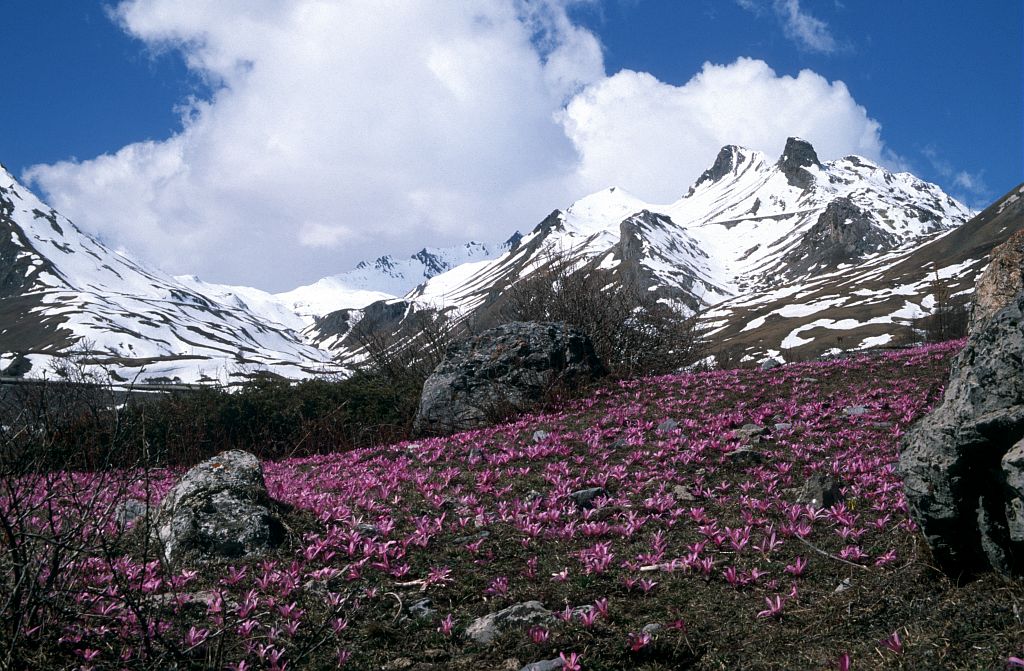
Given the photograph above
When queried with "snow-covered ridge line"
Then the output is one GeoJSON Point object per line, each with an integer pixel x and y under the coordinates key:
{"type": "Point", "coordinates": [746, 227]}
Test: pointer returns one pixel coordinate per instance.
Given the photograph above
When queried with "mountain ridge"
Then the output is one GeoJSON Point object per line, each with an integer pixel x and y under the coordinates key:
{"type": "Point", "coordinates": [748, 227]}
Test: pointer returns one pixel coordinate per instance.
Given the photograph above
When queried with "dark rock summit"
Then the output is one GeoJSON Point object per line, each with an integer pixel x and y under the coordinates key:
{"type": "Point", "coordinates": [963, 465]}
{"type": "Point", "coordinates": [843, 233]}
{"type": "Point", "coordinates": [506, 369]}
{"type": "Point", "coordinates": [220, 508]}
{"type": "Point", "coordinates": [725, 163]}
{"type": "Point", "coordinates": [798, 155]}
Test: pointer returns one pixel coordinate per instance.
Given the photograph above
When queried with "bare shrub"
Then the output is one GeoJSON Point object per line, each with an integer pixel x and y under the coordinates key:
{"type": "Point", "coordinates": [633, 333]}
{"type": "Point", "coordinates": [408, 357]}
{"type": "Point", "coordinates": [948, 319]}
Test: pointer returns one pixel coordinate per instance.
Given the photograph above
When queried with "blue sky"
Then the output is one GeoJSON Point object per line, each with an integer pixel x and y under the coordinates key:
{"type": "Point", "coordinates": [174, 129]}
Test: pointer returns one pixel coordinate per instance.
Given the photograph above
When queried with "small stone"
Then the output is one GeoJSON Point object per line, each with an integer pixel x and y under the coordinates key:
{"type": "Point", "coordinates": [463, 540]}
{"type": "Point", "coordinates": [533, 495]}
{"type": "Point", "coordinates": [194, 601]}
{"type": "Point", "coordinates": [584, 498]}
{"type": "Point", "coordinates": [652, 628]}
{"type": "Point", "coordinates": [540, 436]}
{"type": "Point", "coordinates": [822, 490]}
{"type": "Point", "coordinates": [843, 586]}
{"type": "Point", "coordinates": [422, 609]}
{"type": "Point", "coordinates": [770, 364]}
{"type": "Point", "coordinates": [783, 426]}
{"type": "Point", "coordinates": [398, 664]}
{"type": "Point", "coordinates": [544, 665]}
{"type": "Point", "coordinates": [683, 494]}
{"type": "Point", "coordinates": [745, 455]}
{"type": "Point", "coordinates": [750, 433]}
{"type": "Point", "coordinates": [485, 629]}
{"type": "Point", "coordinates": [368, 529]}
{"type": "Point", "coordinates": [854, 410]}
{"type": "Point", "coordinates": [130, 510]}
{"type": "Point", "coordinates": [667, 425]}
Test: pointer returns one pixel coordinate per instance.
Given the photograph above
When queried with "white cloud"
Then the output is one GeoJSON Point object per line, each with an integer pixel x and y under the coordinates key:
{"type": "Point", "coordinates": [808, 32]}
{"type": "Point", "coordinates": [654, 139]}
{"type": "Point", "coordinates": [342, 131]}
{"type": "Point", "coordinates": [353, 128]}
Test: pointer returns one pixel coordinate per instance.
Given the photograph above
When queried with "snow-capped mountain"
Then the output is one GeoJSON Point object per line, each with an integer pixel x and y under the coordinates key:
{"type": "Point", "coordinates": [386, 277]}
{"type": "Point", "coordinates": [748, 225]}
{"type": "Point", "coordinates": [869, 304]}
{"type": "Point", "coordinates": [774, 255]}
{"type": "Point", "coordinates": [62, 290]}
{"type": "Point", "coordinates": [745, 224]}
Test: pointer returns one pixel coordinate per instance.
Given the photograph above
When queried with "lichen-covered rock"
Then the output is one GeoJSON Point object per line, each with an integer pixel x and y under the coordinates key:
{"type": "Point", "coordinates": [1001, 281]}
{"type": "Point", "coordinates": [962, 464]}
{"type": "Point", "coordinates": [507, 369]}
{"type": "Point", "coordinates": [485, 629]}
{"type": "Point", "coordinates": [220, 508]}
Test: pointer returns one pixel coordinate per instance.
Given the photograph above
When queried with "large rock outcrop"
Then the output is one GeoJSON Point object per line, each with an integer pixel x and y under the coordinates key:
{"type": "Point", "coordinates": [842, 234]}
{"type": "Point", "coordinates": [1001, 281]}
{"type": "Point", "coordinates": [963, 464]}
{"type": "Point", "coordinates": [506, 369]}
{"type": "Point", "coordinates": [220, 508]}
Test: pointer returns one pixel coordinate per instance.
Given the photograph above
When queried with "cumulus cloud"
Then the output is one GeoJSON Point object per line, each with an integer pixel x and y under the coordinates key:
{"type": "Point", "coordinates": [341, 131]}
{"type": "Point", "coordinates": [654, 138]}
{"type": "Point", "coordinates": [338, 131]}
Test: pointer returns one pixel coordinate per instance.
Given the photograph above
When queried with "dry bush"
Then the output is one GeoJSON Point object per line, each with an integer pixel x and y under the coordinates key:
{"type": "Point", "coordinates": [633, 333]}
{"type": "Point", "coordinates": [948, 319]}
{"type": "Point", "coordinates": [407, 358]}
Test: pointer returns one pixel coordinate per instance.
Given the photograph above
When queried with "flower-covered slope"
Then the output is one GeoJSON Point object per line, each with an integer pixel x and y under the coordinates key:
{"type": "Point", "coordinates": [666, 523]}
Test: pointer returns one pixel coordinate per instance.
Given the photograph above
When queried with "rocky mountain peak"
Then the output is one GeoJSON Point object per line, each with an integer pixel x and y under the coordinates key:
{"type": "Point", "coordinates": [431, 264]}
{"type": "Point", "coordinates": [798, 155]}
{"type": "Point", "coordinates": [724, 164]}
{"type": "Point", "coordinates": [552, 222]}
{"type": "Point", "coordinates": [513, 241]}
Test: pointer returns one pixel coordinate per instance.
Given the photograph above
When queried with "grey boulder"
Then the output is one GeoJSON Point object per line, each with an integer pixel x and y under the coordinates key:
{"type": "Point", "coordinates": [963, 464]}
{"type": "Point", "coordinates": [219, 508]}
{"type": "Point", "coordinates": [508, 369]}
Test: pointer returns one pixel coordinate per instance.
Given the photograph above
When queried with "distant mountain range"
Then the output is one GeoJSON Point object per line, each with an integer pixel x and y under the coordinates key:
{"type": "Point", "coordinates": [785, 258]}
